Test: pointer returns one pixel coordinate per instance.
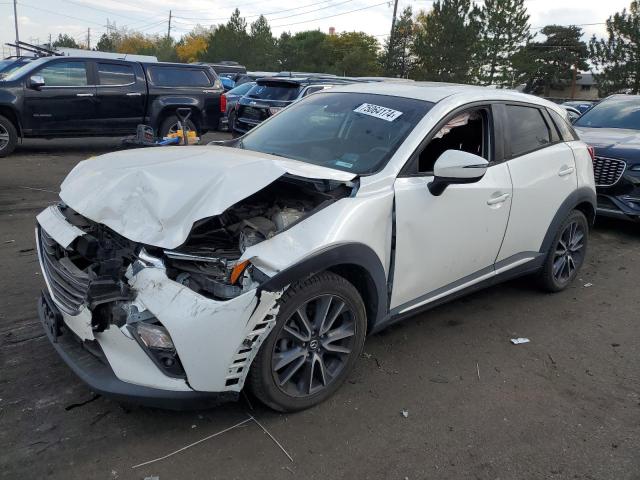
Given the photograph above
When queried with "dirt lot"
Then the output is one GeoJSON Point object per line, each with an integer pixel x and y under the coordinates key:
{"type": "Point", "coordinates": [566, 405]}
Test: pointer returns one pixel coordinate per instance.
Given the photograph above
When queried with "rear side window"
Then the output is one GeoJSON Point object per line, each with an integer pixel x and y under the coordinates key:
{"type": "Point", "coordinates": [275, 91]}
{"type": "Point", "coordinates": [528, 131]}
{"type": "Point", "coordinates": [567, 133]}
{"type": "Point", "coordinates": [65, 74]}
{"type": "Point", "coordinates": [115, 74]}
{"type": "Point", "coordinates": [178, 77]}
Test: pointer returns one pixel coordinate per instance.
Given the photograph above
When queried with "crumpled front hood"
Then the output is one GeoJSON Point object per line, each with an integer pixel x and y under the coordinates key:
{"type": "Point", "coordinates": [154, 195]}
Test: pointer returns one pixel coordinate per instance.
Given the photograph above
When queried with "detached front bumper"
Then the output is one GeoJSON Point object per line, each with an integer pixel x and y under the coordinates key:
{"type": "Point", "coordinates": [100, 377]}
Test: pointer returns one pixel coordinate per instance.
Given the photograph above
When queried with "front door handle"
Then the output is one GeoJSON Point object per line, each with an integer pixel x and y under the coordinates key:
{"type": "Point", "coordinates": [498, 199]}
{"type": "Point", "coordinates": [84, 94]}
{"type": "Point", "coordinates": [565, 171]}
{"type": "Point", "coordinates": [134, 94]}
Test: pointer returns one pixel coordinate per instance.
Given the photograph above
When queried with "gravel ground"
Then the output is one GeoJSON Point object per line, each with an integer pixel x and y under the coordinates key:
{"type": "Point", "coordinates": [566, 405]}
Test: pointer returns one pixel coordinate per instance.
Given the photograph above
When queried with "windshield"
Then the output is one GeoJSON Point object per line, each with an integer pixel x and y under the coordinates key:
{"type": "Point", "coordinates": [241, 89]}
{"type": "Point", "coordinates": [275, 91]}
{"type": "Point", "coordinates": [617, 112]}
{"type": "Point", "coordinates": [354, 132]}
{"type": "Point", "coordinates": [32, 65]}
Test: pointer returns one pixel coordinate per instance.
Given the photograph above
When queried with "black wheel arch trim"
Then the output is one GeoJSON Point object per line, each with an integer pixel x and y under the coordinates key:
{"type": "Point", "coordinates": [343, 254]}
{"type": "Point", "coordinates": [578, 197]}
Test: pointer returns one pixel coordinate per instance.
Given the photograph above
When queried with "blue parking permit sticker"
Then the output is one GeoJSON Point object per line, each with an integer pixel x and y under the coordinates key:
{"type": "Point", "coordinates": [383, 113]}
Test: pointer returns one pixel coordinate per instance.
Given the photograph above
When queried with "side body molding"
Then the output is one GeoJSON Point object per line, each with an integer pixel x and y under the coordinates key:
{"type": "Point", "coordinates": [342, 255]}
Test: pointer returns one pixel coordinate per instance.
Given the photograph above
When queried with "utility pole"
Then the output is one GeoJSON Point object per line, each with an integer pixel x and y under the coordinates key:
{"type": "Point", "coordinates": [169, 29]}
{"type": "Point", "coordinates": [49, 41]}
{"type": "Point", "coordinates": [15, 19]}
{"type": "Point", "coordinates": [393, 26]}
{"type": "Point", "coordinates": [88, 39]}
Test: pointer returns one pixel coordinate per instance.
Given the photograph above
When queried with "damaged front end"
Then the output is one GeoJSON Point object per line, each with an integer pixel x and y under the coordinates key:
{"type": "Point", "coordinates": [180, 320]}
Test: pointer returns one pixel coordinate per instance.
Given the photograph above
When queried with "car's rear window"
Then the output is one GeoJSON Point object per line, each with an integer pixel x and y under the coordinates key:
{"type": "Point", "coordinates": [178, 77]}
{"type": "Point", "coordinates": [617, 112]}
{"type": "Point", "coordinates": [115, 74]}
{"type": "Point", "coordinates": [275, 91]}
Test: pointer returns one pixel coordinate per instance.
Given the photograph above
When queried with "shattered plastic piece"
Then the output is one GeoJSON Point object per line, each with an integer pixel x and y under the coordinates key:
{"type": "Point", "coordinates": [587, 285]}
{"type": "Point", "coordinates": [405, 413]}
{"type": "Point", "coordinates": [518, 341]}
{"type": "Point", "coordinates": [152, 477]}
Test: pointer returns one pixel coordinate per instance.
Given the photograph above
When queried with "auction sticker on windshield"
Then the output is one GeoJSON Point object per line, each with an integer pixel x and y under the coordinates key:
{"type": "Point", "coordinates": [383, 113]}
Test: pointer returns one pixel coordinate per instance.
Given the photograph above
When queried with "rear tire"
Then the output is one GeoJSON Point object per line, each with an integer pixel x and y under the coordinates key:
{"type": "Point", "coordinates": [307, 356]}
{"type": "Point", "coordinates": [566, 254]}
{"type": "Point", "coordinates": [170, 124]}
{"type": "Point", "coordinates": [8, 137]}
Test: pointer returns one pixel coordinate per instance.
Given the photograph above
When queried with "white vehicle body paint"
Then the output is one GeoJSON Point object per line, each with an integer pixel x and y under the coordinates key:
{"type": "Point", "coordinates": [443, 244]}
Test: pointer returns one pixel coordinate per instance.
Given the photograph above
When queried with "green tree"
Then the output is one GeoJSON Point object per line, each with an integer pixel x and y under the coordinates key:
{"type": "Point", "coordinates": [262, 45]}
{"type": "Point", "coordinates": [552, 63]}
{"type": "Point", "coordinates": [65, 41]}
{"type": "Point", "coordinates": [447, 41]}
{"type": "Point", "coordinates": [617, 58]}
{"type": "Point", "coordinates": [353, 54]}
{"type": "Point", "coordinates": [107, 43]}
{"type": "Point", "coordinates": [229, 40]}
{"type": "Point", "coordinates": [505, 29]}
{"type": "Point", "coordinates": [306, 51]}
{"type": "Point", "coordinates": [396, 55]}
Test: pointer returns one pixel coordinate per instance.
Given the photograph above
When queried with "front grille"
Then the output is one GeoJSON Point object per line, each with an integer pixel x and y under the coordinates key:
{"type": "Point", "coordinates": [607, 171]}
{"type": "Point", "coordinates": [69, 285]}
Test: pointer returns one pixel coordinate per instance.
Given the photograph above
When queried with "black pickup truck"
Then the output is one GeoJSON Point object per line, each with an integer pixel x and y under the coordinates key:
{"type": "Point", "coordinates": [54, 97]}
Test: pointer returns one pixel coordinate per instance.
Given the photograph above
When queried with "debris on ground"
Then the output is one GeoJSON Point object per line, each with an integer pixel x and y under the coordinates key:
{"type": "Point", "coordinates": [405, 413]}
{"type": "Point", "coordinates": [519, 340]}
{"type": "Point", "coordinates": [478, 370]}
{"type": "Point", "coordinates": [587, 285]}
{"type": "Point", "coordinates": [8, 241]}
{"type": "Point", "coordinates": [152, 477]}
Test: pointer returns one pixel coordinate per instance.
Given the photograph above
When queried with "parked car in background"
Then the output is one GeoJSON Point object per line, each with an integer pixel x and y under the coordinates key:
{"type": "Point", "coordinates": [89, 96]}
{"type": "Point", "coordinates": [182, 275]}
{"type": "Point", "coordinates": [572, 113]}
{"type": "Point", "coordinates": [228, 104]}
{"type": "Point", "coordinates": [272, 94]}
{"type": "Point", "coordinates": [580, 105]}
{"type": "Point", "coordinates": [612, 128]}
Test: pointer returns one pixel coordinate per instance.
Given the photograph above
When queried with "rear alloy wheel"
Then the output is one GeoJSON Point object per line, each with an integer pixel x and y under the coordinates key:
{"type": "Point", "coordinates": [317, 339]}
{"type": "Point", "coordinates": [567, 253]}
{"type": "Point", "coordinates": [170, 125]}
{"type": "Point", "coordinates": [8, 137]}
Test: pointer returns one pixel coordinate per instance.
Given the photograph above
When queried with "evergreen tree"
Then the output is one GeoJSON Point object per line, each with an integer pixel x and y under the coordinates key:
{"type": "Point", "coordinates": [353, 54]}
{"type": "Point", "coordinates": [106, 43]}
{"type": "Point", "coordinates": [505, 29]}
{"type": "Point", "coordinates": [229, 41]}
{"type": "Point", "coordinates": [617, 59]}
{"type": "Point", "coordinates": [447, 41]}
{"type": "Point", "coordinates": [396, 55]}
{"type": "Point", "coordinates": [262, 45]}
{"type": "Point", "coordinates": [65, 41]}
{"type": "Point", "coordinates": [552, 63]}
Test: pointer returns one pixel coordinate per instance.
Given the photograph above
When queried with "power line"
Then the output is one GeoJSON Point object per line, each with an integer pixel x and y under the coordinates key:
{"type": "Point", "coordinates": [271, 13]}
{"type": "Point", "coordinates": [60, 14]}
{"type": "Point", "coordinates": [110, 12]}
{"type": "Point", "coordinates": [330, 16]}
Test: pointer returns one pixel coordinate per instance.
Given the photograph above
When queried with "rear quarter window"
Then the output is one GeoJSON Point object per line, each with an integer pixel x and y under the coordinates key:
{"type": "Point", "coordinates": [115, 74]}
{"type": "Point", "coordinates": [179, 77]}
{"type": "Point", "coordinates": [566, 131]}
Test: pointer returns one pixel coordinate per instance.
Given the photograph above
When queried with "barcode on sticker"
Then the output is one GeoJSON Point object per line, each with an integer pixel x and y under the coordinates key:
{"type": "Point", "coordinates": [383, 113]}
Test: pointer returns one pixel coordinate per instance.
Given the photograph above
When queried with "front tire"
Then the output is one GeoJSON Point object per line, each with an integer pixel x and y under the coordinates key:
{"type": "Point", "coordinates": [318, 337]}
{"type": "Point", "coordinates": [567, 253]}
{"type": "Point", "coordinates": [8, 137]}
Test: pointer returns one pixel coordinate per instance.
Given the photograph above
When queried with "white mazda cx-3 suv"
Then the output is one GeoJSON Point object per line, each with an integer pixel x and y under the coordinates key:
{"type": "Point", "coordinates": [177, 276]}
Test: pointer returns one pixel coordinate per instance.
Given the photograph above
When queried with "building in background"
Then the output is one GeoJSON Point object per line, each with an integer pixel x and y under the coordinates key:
{"type": "Point", "coordinates": [585, 89]}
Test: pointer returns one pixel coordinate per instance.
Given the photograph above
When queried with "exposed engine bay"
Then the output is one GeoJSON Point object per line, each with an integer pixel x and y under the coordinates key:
{"type": "Point", "coordinates": [208, 260]}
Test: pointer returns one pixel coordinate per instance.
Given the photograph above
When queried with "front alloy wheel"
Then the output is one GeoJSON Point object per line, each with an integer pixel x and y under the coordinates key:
{"type": "Point", "coordinates": [318, 336]}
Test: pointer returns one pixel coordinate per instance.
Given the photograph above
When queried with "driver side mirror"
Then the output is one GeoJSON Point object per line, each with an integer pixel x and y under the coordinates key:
{"type": "Point", "coordinates": [36, 82]}
{"type": "Point", "coordinates": [455, 167]}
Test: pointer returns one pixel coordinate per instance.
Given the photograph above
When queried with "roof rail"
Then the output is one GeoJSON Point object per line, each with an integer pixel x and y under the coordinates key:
{"type": "Point", "coordinates": [39, 51]}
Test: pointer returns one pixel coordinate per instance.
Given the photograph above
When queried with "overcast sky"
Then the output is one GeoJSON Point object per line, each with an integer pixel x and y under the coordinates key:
{"type": "Point", "coordinates": [40, 18]}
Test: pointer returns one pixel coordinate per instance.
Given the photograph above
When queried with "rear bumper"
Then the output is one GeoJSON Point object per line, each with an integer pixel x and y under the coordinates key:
{"type": "Point", "coordinates": [100, 377]}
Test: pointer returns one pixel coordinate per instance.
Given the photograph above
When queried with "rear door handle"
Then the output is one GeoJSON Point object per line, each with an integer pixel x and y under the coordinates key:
{"type": "Point", "coordinates": [84, 94]}
{"type": "Point", "coordinates": [565, 171]}
{"type": "Point", "coordinates": [134, 94]}
{"type": "Point", "coordinates": [498, 199]}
